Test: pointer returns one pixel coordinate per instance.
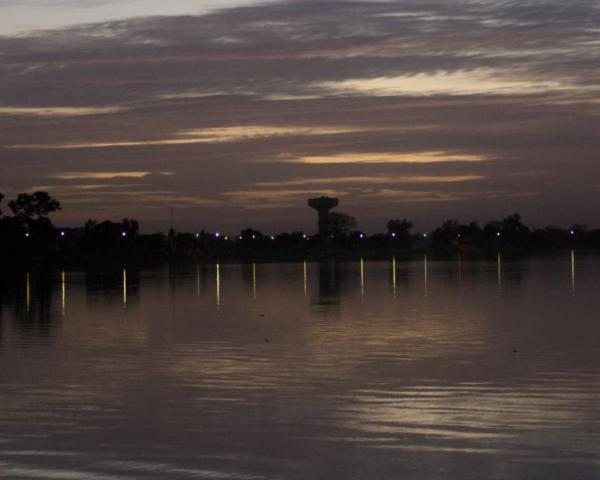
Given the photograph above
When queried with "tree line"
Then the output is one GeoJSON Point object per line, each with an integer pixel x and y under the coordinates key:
{"type": "Point", "coordinates": [29, 233]}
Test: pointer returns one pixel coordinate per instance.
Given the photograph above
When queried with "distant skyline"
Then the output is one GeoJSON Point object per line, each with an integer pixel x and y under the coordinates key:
{"type": "Point", "coordinates": [235, 112]}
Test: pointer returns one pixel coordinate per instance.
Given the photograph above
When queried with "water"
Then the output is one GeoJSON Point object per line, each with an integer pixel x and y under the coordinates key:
{"type": "Point", "coordinates": [429, 370]}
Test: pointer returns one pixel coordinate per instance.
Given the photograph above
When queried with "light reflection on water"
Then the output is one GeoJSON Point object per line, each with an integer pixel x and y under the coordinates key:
{"type": "Point", "coordinates": [434, 370]}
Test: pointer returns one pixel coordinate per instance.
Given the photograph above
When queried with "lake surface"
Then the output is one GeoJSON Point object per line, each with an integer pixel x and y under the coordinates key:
{"type": "Point", "coordinates": [374, 370]}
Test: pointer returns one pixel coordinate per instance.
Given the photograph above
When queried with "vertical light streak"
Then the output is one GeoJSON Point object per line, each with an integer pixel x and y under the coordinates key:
{"type": "Point", "coordinates": [425, 275]}
{"type": "Point", "coordinates": [125, 288]}
{"type": "Point", "coordinates": [218, 285]}
{"type": "Point", "coordinates": [198, 280]}
{"type": "Point", "coordinates": [63, 291]}
{"type": "Point", "coordinates": [394, 280]}
{"type": "Point", "coordinates": [305, 279]}
{"type": "Point", "coordinates": [254, 280]}
{"type": "Point", "coordinates": [459, 269]}
{"type": "Point", "coordinates": [28, 292]}
{"type": "Point", "coordinates": [573, 272]}
{"type": "Point", "coordinates": [499, 272]}
{"type": "Point", "coordinates": [362, 277]}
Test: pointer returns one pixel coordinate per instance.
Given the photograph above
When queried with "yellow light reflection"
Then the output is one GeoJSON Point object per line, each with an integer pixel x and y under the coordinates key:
{"type": "Point", "coordinates": [425, 275]}
{"type": "Point", "coordinates": [394, 282]}
{"type": "Point", "coordinates": [254, 280]}
{"type": "Point", "coordinates": [198, 280]}
{"type": "Point", "coordinates": [125, 287]}
{"type": "Point", "coordinates": [218, 285]}
{"type": "Point", "coordinates": [28, 292]}
{"type": "Point", "coordinates": [305, 279]}
{"type": "Point", "coordinates": [63, 291]}
{"type": "Point", "coordinates": [460, 269]}
{"type": "Point", "coordinates": [573, 272]}
{"type": "Point", "coordinates": [362, 277]}
{"type": "Point", "coordinates": [499, 272]}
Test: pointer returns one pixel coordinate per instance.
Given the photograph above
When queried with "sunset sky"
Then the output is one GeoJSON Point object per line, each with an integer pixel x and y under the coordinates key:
{"type": "Point", "coordinates": [235, 112]}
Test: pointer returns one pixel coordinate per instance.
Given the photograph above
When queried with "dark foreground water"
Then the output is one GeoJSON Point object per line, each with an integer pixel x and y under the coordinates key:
{"type": "Point", "coordinates": [437, 370]}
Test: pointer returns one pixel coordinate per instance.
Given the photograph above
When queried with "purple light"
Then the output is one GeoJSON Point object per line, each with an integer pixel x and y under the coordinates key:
{"type": "Point", "coordinates": [253, 237]}
{"type": "Point", "coordinates": [217, 234]}
{"type": "Point", "coordinates": [123, 234]}
{"type": "Point", "coordinates": [572, 232]}
{"type": "Point", "coordinates": [361, 236]}
{"type": "Point", "coordinates": [62, 234]}
{"type": "Point", "coordinates": [393, 235]}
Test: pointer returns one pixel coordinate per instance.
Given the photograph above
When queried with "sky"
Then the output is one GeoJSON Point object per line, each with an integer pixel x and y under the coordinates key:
{"type": "Point", "coordinates": [233, 113]}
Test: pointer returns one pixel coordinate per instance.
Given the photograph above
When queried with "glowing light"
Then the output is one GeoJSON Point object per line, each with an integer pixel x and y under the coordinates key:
{"type": "Point", "coordinates": [572, 232]}
{"type": "Point", "coordinates": [197, 235]}
{"type": "Point", "coordinates": [123, 234]}
{"type": "Point", "coordinates": [498, 234]}
{"type": "Point", "coordinates": [272, 237]}
{"type": "Point", "coordinates": [393, 235]}
{"type": "Point", "coordinates": [361, 235]}
{"type": "Point", "coordinates": [253, 237]}
{"type": "Point", "coordinates": [217, 234]}
{"type": "Point", "coordinates": [62, 234]}
{"type": "Point", "coordinates": [424, 235]}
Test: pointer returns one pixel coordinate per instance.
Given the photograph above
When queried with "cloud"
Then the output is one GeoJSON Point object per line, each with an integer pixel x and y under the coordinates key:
{"type": "Point", "coordinates": [474, 82]}
{"type": "Point", "coordinates": [59, 111]}
{"type": "Point", "coordinates": [372, 179]}
{"type": "Point", "coordinates": [208, 136]}
{"type": "Point", "coordinates": [105, 175]}
{"type": "Point", "coordinates": [389, 157]}
{"type": "Point", "coordinates": [243, 105]}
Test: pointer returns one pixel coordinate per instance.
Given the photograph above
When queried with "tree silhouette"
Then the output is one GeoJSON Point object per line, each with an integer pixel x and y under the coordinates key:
{"type": "Point", "coordinates": [34, 206]}
{"type": "Point", "coordinates": [341, 224]}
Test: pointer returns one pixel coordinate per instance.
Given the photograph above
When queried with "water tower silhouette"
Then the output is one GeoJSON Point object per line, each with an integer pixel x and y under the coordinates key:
{"type": "Point", "coordinates": [323, 205]}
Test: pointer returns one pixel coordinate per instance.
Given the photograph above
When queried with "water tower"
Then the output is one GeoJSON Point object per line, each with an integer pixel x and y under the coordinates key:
{"type": "Point", "coordinates": [323, 205]}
